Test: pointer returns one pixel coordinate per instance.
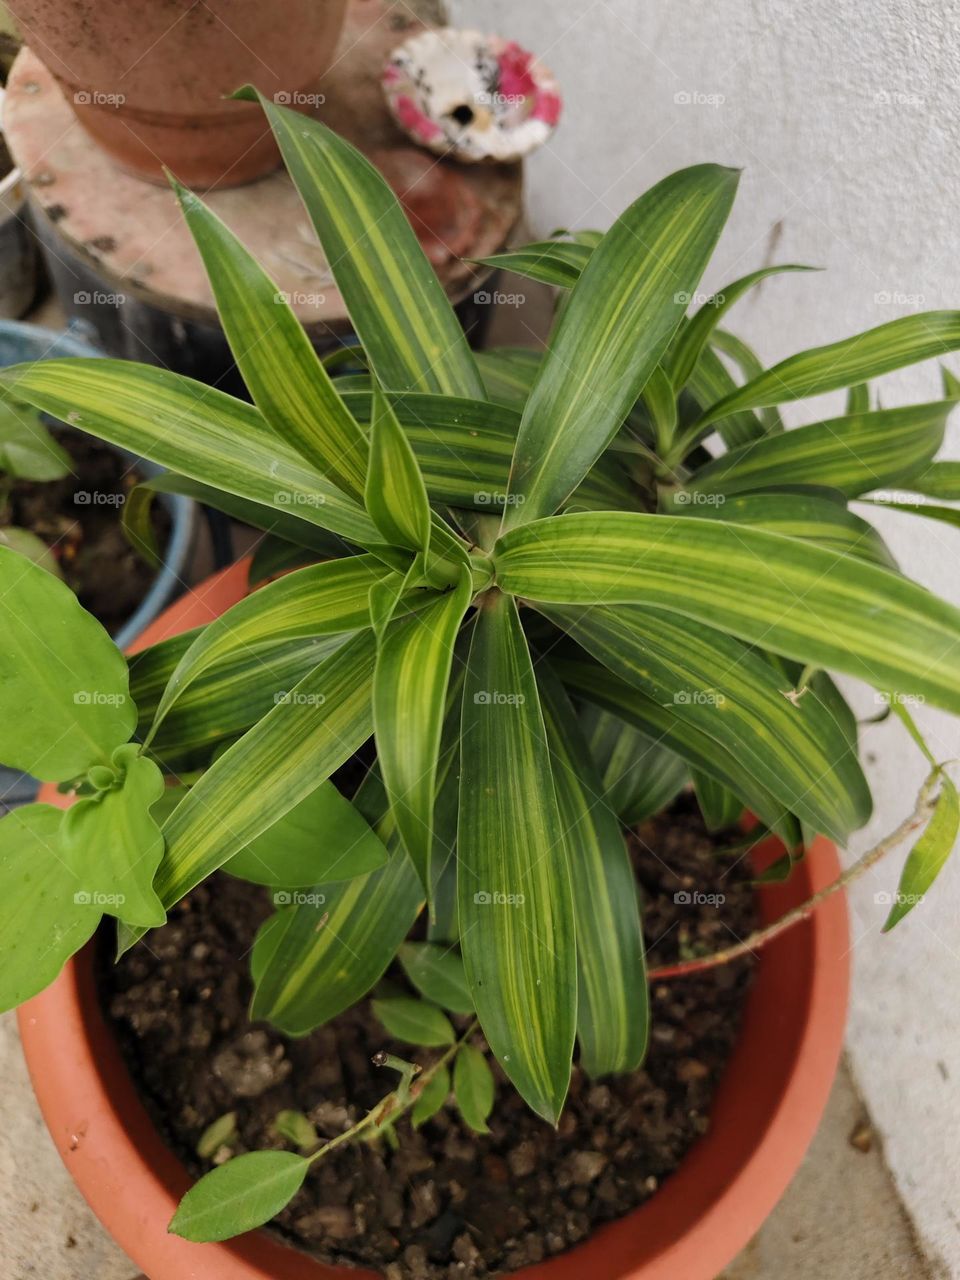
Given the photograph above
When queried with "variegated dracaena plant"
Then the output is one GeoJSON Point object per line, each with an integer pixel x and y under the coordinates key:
{"type": "Point", "coordinates": [554, 587]}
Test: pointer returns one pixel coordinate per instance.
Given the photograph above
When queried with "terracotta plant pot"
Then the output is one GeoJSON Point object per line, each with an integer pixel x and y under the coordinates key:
{"type": "Point", "coordinates": [147, 80]}
{"type": "Point", "coordinates": [765, 1111]}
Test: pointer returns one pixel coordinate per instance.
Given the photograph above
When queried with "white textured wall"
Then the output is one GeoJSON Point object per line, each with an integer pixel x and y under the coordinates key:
{"type": "Point", "coordinates": [845, 116]}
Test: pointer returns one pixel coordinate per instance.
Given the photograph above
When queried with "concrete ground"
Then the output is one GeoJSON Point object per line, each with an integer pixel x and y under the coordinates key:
{"type": "Point", "coordinates": [840, 1218]}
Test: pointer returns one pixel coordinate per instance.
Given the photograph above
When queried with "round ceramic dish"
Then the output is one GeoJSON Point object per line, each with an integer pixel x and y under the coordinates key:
{"type": "Point", "coordinates": [472, 96]}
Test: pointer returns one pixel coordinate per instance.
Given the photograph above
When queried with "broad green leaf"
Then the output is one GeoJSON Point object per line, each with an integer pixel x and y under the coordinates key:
{"type": "Point", "coordinates": [398, 308]}
{"type": "Point", "coordinates": [842, 364]}
{"type": "Point", "coordinates": [797, 751]}
{"type": "Point", "coordinates": [44, 917]}
{"type": "Point", "coordinates": [798, 515]}
{"type": "Point", "coordinates": [306, 975]}
{"type": "Point", "coordinates": [941, 480]}
{"type": "Point", "coordinates": [431, 1098]}
{"type": "Point", "coordinates": [191, 429]}
{"type": "Point", "coordinates": [322, 599]}
{"type": "Point", "coordinates": [113, 845]}
{"type": "Point", "coordinates": [473, 1087]}
{"type": "Point", "coordinates": [409, 694]}
{"type": "Point", "coordinates": [686, 348]}
{"type": "Point", "coordinates": [437, 973]}
{"type": "Point", "coordinates": [597, 684]}
{"type": "Point", "coordinates": [630, 299]}
{"type": "Point", "coordinates": [852, 455]}
{"type": "Point", "coordinates": [27, 449]}
{"type": "Point", "coordinates": [555, 262]}
{"type": "Point", "coordinates": [928, 855]}
{"type": "Point", "coordinates": [323, 838]}
{"type": "Point", "coordinates": [613, 1009]}
{"type": "Point", "coordinates": [395, 495]}
{"type": "Point", "coordinates": [66, 700]}
{"type": "Point", "coordinates": [638, 775]}
{"type": "Point", "coordinates": [237, 1196]}
{"type": "Point", "coordinates": [790, 596]}
{"type": "Point", "coordinates": [720, 808]}
{"type": "Point", "coordinates": [294, 748]}
{"type": "Point", "coordinates": [281, 370]}
{"type": "Point", "coordinates": [414, 1021]}
{"type": "Point", "coordinates": [516, 910]}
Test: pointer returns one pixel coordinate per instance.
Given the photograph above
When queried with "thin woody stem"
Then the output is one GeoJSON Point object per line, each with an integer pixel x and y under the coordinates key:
{"type": "Point", "coordinates": [918, 818]}
{"type": "Point", "coordinates": [392, 1107]}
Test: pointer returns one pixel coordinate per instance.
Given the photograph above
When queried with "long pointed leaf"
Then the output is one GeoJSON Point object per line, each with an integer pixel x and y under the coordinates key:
{"type": "Point", "coordinates": [192, 429]}
{"type": "Point", "coordinates": [785, 594]}
{"type": "Point", "coordinates": [409, 695]}
{"type": "Point", "coordinates": [629, 299]}
{"type": "Point", "coordinates": [273, 353]}
{"type": "Point", "coordinates": [405, 323]}
{"type": "Point", "coordinates": [639, 776]}
{"type": "Point", "coordinates": [613, 1009]}
{"type": "Point", "coordinates": [516, 912]}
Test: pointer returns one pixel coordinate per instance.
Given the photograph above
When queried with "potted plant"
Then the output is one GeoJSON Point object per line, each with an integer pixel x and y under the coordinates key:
{"type": "Point", "coordinates": [549, 567]}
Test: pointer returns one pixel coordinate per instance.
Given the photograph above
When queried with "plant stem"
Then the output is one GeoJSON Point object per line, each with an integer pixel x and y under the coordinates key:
{"type": "Point", "coordinates": [758, 939]}
{"type": "Point", "coordinates": [392, 1106]}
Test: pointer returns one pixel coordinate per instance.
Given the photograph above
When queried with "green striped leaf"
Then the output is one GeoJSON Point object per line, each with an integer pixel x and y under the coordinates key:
{"type": "Point", "coordinates": [66, 704]}
{"type": "Point", "coordinates": [750, 366]}
{"type": "Point", "coordinates": [841, 364]}
{"type": "Point", "coordinates": [395, 495]}
{"type": "Point", "coordinates": [638, 776]}
{"type": "Point", "coordinates": [720, 808]}
{"type": "Point", "coordinates": [294, 748]}
{"type": "Point", "coordinates": [464, 449]}
{"type": "Point", "coordinates": [409, 696]}
{"type": "Point", "coordinates": [223, 702]}
{"type": "Point", "coordinates": [397, 305]}
{"type": "Point", "coordinates": [689, 343]}
{"type": "Point", "coordinates": [630, 299]}
{"type": "Point", "coordinates": [306, 975]}
{"type": "Point", "coordinates": [710, 381]}
{"type": "Point", "coordinates": [852, 455]}
{"type": "Point", "coordinates": [555, 262]}
{"type": "Point", "coordinates": [322, 599]}
{"type": "Point", "coordinates": [798, 515]}
{"type": "Point", "coordinates": [931, 510]}
{"type": "Point", "coordinates": [597, 684]}
{"type": "Point", "coordinates": [941, 480]}
{"type": "Point", "coordinates": [795, 750]}
{"type": "Point", "coordinates": [273, 353]}
{"type": "Point", "coordinates": [191, 429]}
{"type": "Point", "coordinates": [516, 912]}
{"type": "Point", "coordinates": [788, 595]}
{"type": "Point", "coordinates": [509, 373]}
{"type": "Point", "coordinates": [928, 856]}
{"type": "Point", "coordinates": [613, 1010]}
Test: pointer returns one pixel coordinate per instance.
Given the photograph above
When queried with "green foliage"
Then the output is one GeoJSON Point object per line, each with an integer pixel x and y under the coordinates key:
{"type": "Point", "coordinates": [553, 588]}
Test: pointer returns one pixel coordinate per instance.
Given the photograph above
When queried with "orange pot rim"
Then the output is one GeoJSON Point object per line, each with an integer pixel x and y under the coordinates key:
{"type": "Point", "coordinates": [765, 1112]}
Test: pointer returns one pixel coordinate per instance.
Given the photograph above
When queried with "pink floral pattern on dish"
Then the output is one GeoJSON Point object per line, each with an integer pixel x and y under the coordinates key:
{"type": "Point", "coordinates": [476, 97]}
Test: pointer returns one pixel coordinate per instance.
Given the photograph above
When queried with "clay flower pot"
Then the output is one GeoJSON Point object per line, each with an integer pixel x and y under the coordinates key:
{"type": "Point", "coordinates": [148, 80]}
{"type": "Point", "coordinates": [764, 1114]}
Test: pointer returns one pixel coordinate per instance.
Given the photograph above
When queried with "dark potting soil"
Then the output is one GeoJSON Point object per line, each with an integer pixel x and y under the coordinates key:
{"type": "Point", "coordinates": [79, 518]}
{"type": "Point", "coordinates": [445, 1203]}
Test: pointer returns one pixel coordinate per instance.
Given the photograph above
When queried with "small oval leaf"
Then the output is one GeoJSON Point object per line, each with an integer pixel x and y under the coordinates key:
{"type": "Point", "coordinates": [242, 1194]}
{"type": "Point", "coordinates": [437, 973]}
{"type": "Point", "coordinates": [432, 1097]}
{"type": "Point", "coordinates": [474, 1087]}
{"type": "Point", "coordinates": [414, 1021]}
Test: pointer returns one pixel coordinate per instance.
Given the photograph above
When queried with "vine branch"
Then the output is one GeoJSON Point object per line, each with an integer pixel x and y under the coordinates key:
{"type": "Point", "coordinates": [923, 808]}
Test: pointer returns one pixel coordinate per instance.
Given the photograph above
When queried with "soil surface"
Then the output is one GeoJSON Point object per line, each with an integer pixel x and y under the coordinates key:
{"type": "Point", "coordinates": [78, 517]}
{"type": "Point", "coordinates": [445, 1203]}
